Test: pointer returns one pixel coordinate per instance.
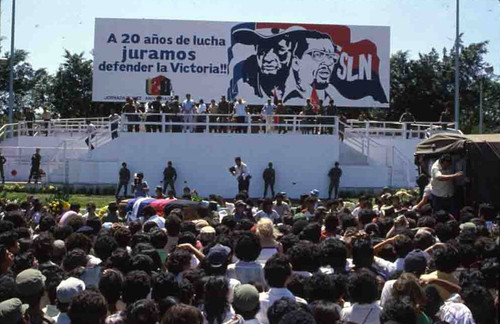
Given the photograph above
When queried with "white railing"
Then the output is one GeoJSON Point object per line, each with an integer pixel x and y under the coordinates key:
{"type": "Point", "coordinates": [205, 123]}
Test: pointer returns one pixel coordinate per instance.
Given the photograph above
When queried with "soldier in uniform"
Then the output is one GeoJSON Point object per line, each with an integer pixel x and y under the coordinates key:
{"type": "Point", "coordinates": [174, 108]}
{"type": "Point", "coordinates": [308, 111]}
{"type": "Point", "coordinates": [169, 177]}
{"type": "Point", "coordinates": [35, 166]}
{"type": "Point", "coordinates": [129, 108]}
{"type": "Point", "coordinates": [269, 176]}
{"type": "Point", "coordinates": [334, 175]}
{"type": "Point", "coordinates": [154, 108]}
{"type": "Point", "coordinates": [330, 112]}
{"type": "Point", "coordinates": [2, 162]}
{"type": "Point", "coordinates": [124, 179]}
{"type": "Point", "coordinates": [224, 108]}
{"type": "Point", "coordinates": [30, 118]}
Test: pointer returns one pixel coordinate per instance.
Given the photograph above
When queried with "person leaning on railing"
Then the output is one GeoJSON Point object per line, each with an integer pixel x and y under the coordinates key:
{"type": "Point", "coordinates": [30, 118]}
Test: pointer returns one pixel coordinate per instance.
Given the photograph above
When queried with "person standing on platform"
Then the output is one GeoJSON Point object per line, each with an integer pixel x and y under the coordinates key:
{"type": "Point", "coordinates": [123, 180]}
{"type": "Point", "coordinates": [188, 111]}
{"type": "Point", "coordinates": [268, 114]}
{"type": "Point", "coordinates": [445, 116]}
{"type": "Point", "coordinates": [240, 111]}
{"type": "Point", "coordinates": [140, 187]}
{"type": "Point", "coordinates": [407, 118]}
{"type": "Point", "coordinates": [114, 120]}
{"type": "Point", "coordinates": [36, 160]}
{"type": "Point", "coordinates": [30, 118]}
{"type": "Point", "coordinates": [241, 173]}
{"type": "Point", "coordinates": [213, 109]}
{"type": "Point", "coordinates": [91, 129]}
{"type": "Point", "coordinates": [174, 108]}
{"type": "Point", "coordinates": [132, 116]}
{"type": "Point", "coordinates": [281, 110]}
{"type": "Point", "coordinates": [308, 112]}
{"type": "Point", "coordinates": [2, 163]}
{"type": "Point", "coordinates": [202, 112]}
{"type": "Point", "coordinates": [169, 177]}
{"type": "Point", "coordinates": [269, 176]}
{"type": "Point", "coordinates": [153, 117]}
{"type": "Point", "coordinates": [46, 117]}
{"type": "Point", "coordinates": [224, 109]}
{"type": "Point", "coordinates": [330, 112]}
{"type": "Point", "coordinates": [334, 175]}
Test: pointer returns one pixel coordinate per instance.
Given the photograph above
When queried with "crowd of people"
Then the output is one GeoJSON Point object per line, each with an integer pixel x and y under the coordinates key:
{"type": "Point", "coordinates": [385, 258]}
{"type": "Point", "coordinates": [190, 111]}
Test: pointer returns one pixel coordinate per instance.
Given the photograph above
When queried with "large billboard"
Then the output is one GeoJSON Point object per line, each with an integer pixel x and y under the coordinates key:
{"type": "Point", "coordinates": [146, 58]}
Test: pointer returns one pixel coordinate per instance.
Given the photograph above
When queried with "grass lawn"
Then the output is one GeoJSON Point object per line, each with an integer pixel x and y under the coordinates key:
{"type": "Point", "coordinates": [99, 200]}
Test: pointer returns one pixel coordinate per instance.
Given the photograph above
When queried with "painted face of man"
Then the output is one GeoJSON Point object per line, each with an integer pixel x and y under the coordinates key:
{"type": "Point", "coordinates": [317, 63]}
{"type": "Point", "coordinates": [274, 56]}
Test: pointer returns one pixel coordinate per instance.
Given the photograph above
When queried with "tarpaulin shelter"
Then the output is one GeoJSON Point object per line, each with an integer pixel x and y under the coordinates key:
{"type": "Point", "coordinates": [482, 154]}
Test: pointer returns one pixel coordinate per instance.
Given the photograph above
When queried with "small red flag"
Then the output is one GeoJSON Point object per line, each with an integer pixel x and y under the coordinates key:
{"type": "Point", "coordinates": [314, 97]}
{"type": "Point", "coordinates": [275, 97]}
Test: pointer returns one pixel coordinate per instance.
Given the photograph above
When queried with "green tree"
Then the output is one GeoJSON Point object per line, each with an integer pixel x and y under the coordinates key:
{"type": "Point", "coordinates": [25, 80]}
{"type": "Point", "coordinates": [71, 90]}
{"type": "Point", "coordinates": [427, 85]}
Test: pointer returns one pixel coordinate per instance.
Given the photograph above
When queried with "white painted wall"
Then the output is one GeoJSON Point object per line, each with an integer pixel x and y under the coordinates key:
{"type": "Point", "coordinates": [202, 160]}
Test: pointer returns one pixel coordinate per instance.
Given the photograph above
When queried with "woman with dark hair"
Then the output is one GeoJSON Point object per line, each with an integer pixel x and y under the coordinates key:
{"type": "Point", "coordinates": [182, 314]}
{"type": "Point", "coordinates": [216, 307]}
{"type": "Point", "coordinates": [6, 259]}
{"type": "Point", "coordinates": [408, 286]}
{"type": "Point", "coordinates": [362, 287]}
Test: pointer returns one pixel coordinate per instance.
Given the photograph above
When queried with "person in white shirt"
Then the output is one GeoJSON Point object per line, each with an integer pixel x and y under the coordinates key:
{"type": "Point", "coordinates": [247, 269]}
{"type": "Point", "coordinates": [277, 272]}
{"type": "Point", "coordinates": [240, 111]}
{"type": "Point", "coordinates": [268, 212]}
{"type": "Point", "coordinates": [442, 183]}
{"type": "Point", "coordinates": [188, 109]}
{"type": "Point", "coordinates": [241, 173]}
{"type": "Point", "coordinates": [268, 114]}
{"type": "Point", "coordinates": [363, 292]}
{"type": "Point", "coordinates": [279, 205]}
{"type": "Point", "coordinates": [202, 112]}
{"type": "Point", "coordinates": [91, 129]}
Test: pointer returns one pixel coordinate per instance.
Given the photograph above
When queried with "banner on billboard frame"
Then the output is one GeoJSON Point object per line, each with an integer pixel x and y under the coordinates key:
{"type": "Point", "coordinates": [146, 58]}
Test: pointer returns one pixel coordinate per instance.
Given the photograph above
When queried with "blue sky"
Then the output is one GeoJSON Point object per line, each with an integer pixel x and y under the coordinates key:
{"type": "Point", "coordinates": [46, 27]}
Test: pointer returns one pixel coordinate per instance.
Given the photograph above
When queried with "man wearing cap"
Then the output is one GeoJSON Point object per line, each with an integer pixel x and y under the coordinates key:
{"type": "Point", "coordinates": [65, 292]}
{"type": "Point", "coordinates": [241, 173]}
{"type": "Point", "coordinates": [30, 286]}
{"type": "Point", "coordinates": [12, 311]}
{"type": "Point", "coordinates": [267, 70]}
{"type": "Point", "coordinates": [246, 303]}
